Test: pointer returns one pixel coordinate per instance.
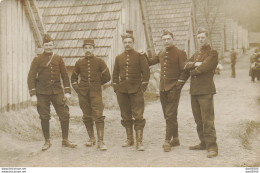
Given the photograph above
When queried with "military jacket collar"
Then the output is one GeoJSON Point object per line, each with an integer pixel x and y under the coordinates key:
{"type": "Point", "coordinates": [129, 51]}
{"type": "Point", "coordinates": [170, 48]}
{"type": "Point", "coordinates": [88, 57]}
{"type": "Point", "coordinates": [205, 48]}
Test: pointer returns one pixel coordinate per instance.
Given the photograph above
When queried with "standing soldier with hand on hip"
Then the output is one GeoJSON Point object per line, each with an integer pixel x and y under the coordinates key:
{"type": "Point", "coordinates": [93, 74]}
{"type": "Point", "coordinates": [202, 66]}
{"type": "Point", "coordinates": [172, 79]}
{"type": "Point", "coordinates": [45, 87]}
{"type": "Point", "coordinates": [130, 79]}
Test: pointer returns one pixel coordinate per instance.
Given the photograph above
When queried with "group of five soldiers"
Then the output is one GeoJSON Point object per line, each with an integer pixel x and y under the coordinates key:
{"type": "Point", "coordinates": [130, 79]}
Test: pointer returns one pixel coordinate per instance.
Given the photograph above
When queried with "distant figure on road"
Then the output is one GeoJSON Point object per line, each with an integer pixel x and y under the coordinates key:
{"type": "Point", "coordinates": [172, 80]}
{"type": "Point", "coordinates": [131, 75]}
{"type": "Point", "coordinates": [202, 66]}
{"type": "Point", "coordinates": [45, 88]}
{"type": "Point", "coordinates": [254, 71]}
{"type": "Point", "coordinates": [233, 60]}
{"type": "Point", "coordinates": [93, 74]}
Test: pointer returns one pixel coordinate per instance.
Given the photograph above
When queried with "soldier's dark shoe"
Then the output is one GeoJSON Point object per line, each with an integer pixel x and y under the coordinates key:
{"type": "Point", "coordinates": [139, 146]}
{"type": "Point", "coordinates": [101, 146]}
{"type": "Point", "coordinates": [198, 147]}
{"type": "Point", "coordinates": [175, 142]}
{"type": "Point", "coordinates": [166, 146]}
{"type": "Point", "coordinates": [212, 154]}
{"type": "Point", "coordinates": [67, 143]}
{"type": "Point", "coordinates": [46, 145]}
{"type": "Point", "coordinates": [128, 143]}
{"type": "Point", "coordinates": [91, 142]}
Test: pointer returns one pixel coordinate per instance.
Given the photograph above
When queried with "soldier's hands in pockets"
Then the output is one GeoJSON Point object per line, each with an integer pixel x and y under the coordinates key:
{"type": "Point", "coordinates": [144, 86]}
{"type": "Point", "coordinates": [34, 100]}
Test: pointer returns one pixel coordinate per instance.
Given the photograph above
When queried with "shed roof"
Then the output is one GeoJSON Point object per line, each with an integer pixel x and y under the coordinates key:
{"type": "Point", "coordinates": [173, 15]}
{"type": "Point", "coordinates": [69, 22]}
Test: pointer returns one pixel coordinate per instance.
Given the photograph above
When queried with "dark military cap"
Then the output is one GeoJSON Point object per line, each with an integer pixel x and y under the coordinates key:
{"type": "Point", "coordinates": [47, 38]}
{"type": "Point", "coordinates": [166, 32]}
{"type": "Point", "coordinates": [88, 41]}
{"type": "Point", "coordinates": [129, 32]}
{"type": "Point", "coordinates": [127, 35]}
{"type": "Point", "coordinates": [203, 30]}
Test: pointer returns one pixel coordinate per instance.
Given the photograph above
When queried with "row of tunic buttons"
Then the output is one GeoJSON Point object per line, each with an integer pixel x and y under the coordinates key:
{"type": "Point", "coordinates": [127, 62]}
{"type": "Point", "coordinates": [88, 70]}
{"type": "Point", "coordinates": [165, 62]}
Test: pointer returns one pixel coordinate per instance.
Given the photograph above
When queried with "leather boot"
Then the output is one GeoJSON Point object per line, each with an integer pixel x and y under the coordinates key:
{"type": "Point", "coordinates": [65, 134]}
{"type": "Point", "coordinates": [46, 129]}
{"type": "Point", "coordinates": [200, 146]}
{"type": "Point", "coordinates": [167, 146]}
{"type": "Point", "coordinates": [175, 142]}
{"type": "Point", "coordinates": [212, 154]}
{"type": "Point", "coordinates": [90, 130]}
{"type": "Point", "coordinates": [46, 133]}
{"type": "Point", "coordinates": [139, 139]}
{"type": "Point", "coordinates": [130, 137]}
{"type": "Point", "coordinates": [100, 134]}
{"type": "Point", "coordinates": [46, 145]}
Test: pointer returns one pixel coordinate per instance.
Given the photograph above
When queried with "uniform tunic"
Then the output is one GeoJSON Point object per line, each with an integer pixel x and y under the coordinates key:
{"type": "Point", "coordinates": [131, 71]}
{"type": "Point", "coordinates": [93, 74]}
{"type": "Point", "coordinates": [172, 62]}
{"type": "Point", "coordinates": [44, 80]}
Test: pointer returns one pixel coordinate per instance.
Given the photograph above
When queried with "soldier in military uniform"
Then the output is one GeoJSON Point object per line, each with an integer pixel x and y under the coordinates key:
{"type": "Point", "coordinates": [233, 60]}
{"type": "Point", "coordinates": [202, 89]}
{"type": "Point", "coordinates": [172, 80]}
{"type": "Point", "coordinates": [45, 87]}
{"type": "Point", "coordinates": [130, 79]}
{"type": "Point", "coordinates": [93, 74]}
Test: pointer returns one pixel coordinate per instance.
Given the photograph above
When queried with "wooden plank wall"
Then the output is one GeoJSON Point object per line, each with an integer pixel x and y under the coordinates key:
{"type": "Point", "coordinates": [17, 51]}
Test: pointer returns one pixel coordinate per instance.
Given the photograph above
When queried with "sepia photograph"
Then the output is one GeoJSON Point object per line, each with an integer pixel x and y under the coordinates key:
{"type": "Point", "coordinates": [130, 84]}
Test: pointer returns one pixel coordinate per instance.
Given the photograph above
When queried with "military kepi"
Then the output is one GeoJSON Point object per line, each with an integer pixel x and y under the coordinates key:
{"type": "Point", "coordinates": [47, 38]}
{"type": "Point", "coordinates": [88, 41]}
{"type": "Point", "coordinates": [202, 30]}
{"type": "Point", "coordinates": [128, 34]}
{"type": "Point", "coordinates": [166, 32]}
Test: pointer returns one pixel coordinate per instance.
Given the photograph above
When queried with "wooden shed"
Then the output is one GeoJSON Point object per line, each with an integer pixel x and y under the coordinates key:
{"type": "Point", "coordinates": [20, 35]}
{"type": "Point", "coordinates": [245, 38]}
{"type": "Point", "coordinates": [176, 16]}
{"type": "Point", "coordinates": [228, 34]}
{"type": "Point", "coordinates": [69, 22]}
{"type": "Point", "coordinates": [254, 39]}
{"type": "Point", "coordinates": [235, 35]}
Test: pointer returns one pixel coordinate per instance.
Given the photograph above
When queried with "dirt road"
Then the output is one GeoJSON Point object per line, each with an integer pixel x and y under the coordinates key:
{"type": "Point", "coordinates": [237, 122]}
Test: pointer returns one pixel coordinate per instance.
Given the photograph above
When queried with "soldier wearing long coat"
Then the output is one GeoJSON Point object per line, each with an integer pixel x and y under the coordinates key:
{"type": "Point", "coordinates": [130, 78]}
{"type": "Point", "coordinates": [44, 83]}
{"type": "Point", "coordinates": [202, 66]}
{"type": "Point", "coordinates": [93, 74]}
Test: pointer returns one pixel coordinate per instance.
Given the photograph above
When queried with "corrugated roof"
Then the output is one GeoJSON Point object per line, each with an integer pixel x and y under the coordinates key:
{"type": "Point", "coordinates": [173, 15]}
{"type": "Point", "coordinates": [69, 22]}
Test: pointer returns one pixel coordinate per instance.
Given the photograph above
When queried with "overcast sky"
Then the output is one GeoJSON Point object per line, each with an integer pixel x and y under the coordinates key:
{"type": "Point", "coordinates": [245, 12]}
